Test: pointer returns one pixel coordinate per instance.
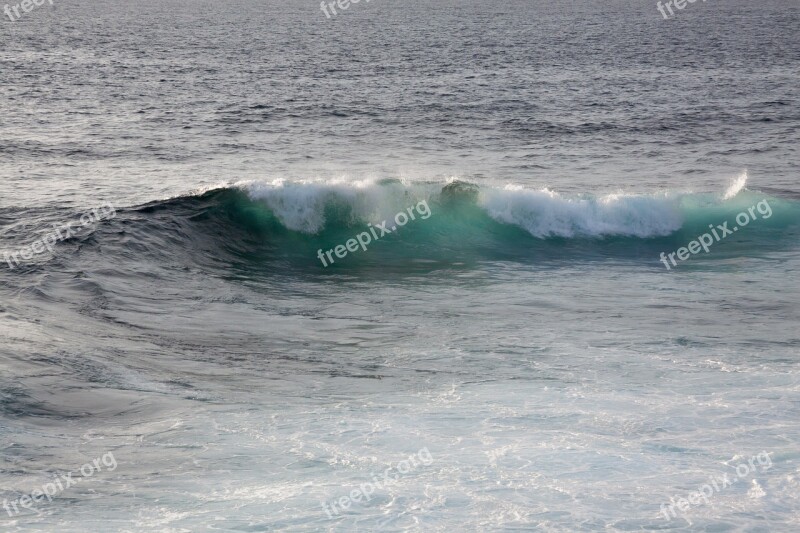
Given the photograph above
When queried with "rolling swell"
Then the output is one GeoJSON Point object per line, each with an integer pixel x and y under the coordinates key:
{"type": "Point", "coordinates": [278, 227]}
{"type": "Point", "coordinates": [283, 224]}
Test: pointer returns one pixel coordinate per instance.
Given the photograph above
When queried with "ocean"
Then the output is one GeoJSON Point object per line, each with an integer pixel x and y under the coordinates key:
{"type": "Point", "coordinates": [409, 266]}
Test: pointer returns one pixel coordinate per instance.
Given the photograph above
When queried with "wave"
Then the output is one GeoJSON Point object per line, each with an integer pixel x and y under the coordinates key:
{"type": "Point", "coordinates": [305, 206]}
{"type": "Point", "coordinates": [312, 207]}
{"type": "Point", "coordinates": [290, 221]}
{"type": "Point", "coordinates": [285, 223]}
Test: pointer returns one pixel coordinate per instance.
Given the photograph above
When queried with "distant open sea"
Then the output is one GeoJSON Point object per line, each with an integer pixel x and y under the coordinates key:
{"type": "Point", "coordinates": [179, 179]}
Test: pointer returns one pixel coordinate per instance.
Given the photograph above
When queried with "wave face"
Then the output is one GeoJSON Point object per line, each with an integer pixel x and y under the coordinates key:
{"type": "Point", "coordinates": [290, 221]}
{"type": "Point", "coordinates": [314, 207]}
{"type": "Point", "coordinates": [308, 207]}
{"type": "Point", "coordinates": [276, 224]}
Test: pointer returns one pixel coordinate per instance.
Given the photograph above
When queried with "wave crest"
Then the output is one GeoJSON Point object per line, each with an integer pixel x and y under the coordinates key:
{"type": "Point", "coordinates": [307, 206]}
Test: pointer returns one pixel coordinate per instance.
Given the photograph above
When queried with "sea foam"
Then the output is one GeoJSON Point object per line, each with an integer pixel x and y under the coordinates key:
{"type": "Point", "coordinates": [307, 205]}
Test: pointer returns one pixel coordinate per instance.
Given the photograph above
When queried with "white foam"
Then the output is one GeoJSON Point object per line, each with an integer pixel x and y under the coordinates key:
{"type": "Point", "coordinates": [545, 213]}
{"type": "Point", "coordinates": [736, 186]}
{"type": "Point", "coordinates": [300, 205]}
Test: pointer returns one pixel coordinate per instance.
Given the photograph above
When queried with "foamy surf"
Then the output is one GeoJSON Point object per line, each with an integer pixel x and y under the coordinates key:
{"type": "Point", "coordinates": [311, 206]}
{"type": "Point", "coordinates": [546, 213]}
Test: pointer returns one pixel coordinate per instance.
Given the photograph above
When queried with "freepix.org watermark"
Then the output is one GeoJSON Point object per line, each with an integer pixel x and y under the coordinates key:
{"type": "Point", "coordinates": [365, 490]}
{"type": "Point", "coordinates": [679, 4]}
{"type": "Point", "coordinates": [706, 491]}
{"type": "Point", "coordinates": [26, 5]}
{"type": "Point", "coordinates": [60, 233]}
{"type": "Point", "coordinates": [343, 4]}
{"type": "Point", "coordinates": [705, 240]}
{"type": "Point", "coordinates": [59, 485]}
{"type": "Point", "coordinates": [363, 239]}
